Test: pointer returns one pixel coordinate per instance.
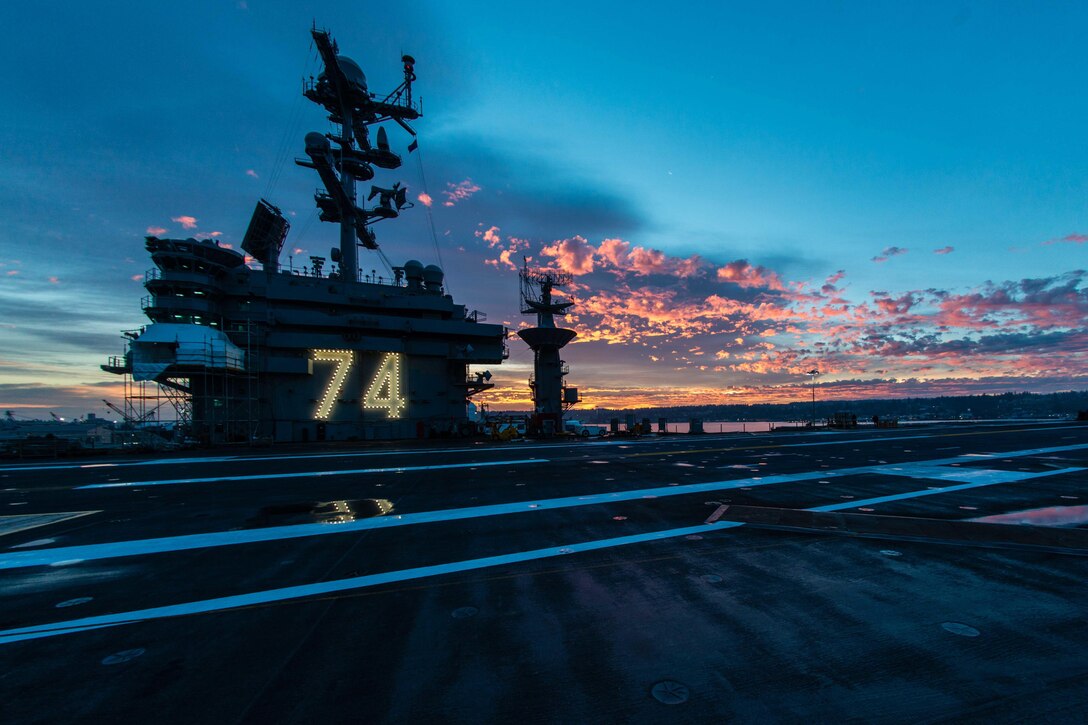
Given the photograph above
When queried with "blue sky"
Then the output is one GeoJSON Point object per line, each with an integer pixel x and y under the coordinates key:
{"type": "Point", "coordinates": [802, 139]}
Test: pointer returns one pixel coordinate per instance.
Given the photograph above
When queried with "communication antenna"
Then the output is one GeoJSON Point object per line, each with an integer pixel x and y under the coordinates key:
{"type": "Point", "coordinates": [341, 89]}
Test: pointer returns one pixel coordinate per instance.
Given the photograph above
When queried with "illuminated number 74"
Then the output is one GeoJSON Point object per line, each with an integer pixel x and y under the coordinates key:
{"type": "Point", "coordinates": [344, 359]}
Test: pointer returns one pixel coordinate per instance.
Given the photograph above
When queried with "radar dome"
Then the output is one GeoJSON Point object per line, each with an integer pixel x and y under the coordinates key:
{"type": "Point", "coordinates": [432, 276]}
{"type": "Point", "coordinates": [353, 72]}
{"type": "Point", "coordinates": [316, 143]}
{"type": "Point", "coordinates": [413, 272]}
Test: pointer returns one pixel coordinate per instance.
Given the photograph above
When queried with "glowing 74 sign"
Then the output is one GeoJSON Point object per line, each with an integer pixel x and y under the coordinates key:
{"type": "Point", "coordinates": [385, 390]}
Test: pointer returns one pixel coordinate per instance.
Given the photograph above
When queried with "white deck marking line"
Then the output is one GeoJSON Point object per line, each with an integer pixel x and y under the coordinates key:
{"type": "Point", "coordinates": [310, 474]}
{"type": "Point", "coordinates": [339, 585]}
{"type": "Point", "coordinates": [25, 522]}
{"type": "Point", "coordinates": [514, 448]}
{"type": "Point", "coordinates": [307, 590]}
{"type": "Point", "coordinates": [322, 588]}
{"type": "Point", "coordinates": [718, 512]}
{"type": "Point", "coordinates": [992, 481]}
{"type": "Point", "coordinates": [139, 547]}
{"type": "Point", "coordinates": [888, 439]}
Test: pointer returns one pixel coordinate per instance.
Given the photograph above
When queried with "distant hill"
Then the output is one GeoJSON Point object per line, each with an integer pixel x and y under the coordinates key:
{"type": "Point", "coordinates": [1005, 405]}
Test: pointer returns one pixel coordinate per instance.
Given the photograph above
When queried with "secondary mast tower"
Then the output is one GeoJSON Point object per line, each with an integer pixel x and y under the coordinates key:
{"type": "Point", "coordinates": [551, 396]}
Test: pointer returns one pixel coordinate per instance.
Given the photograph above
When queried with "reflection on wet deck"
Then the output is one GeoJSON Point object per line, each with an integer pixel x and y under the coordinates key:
{"type": "Point", "coordinates": [1049, 516]}
{"type": "Point", "coordinates": [321, 512]}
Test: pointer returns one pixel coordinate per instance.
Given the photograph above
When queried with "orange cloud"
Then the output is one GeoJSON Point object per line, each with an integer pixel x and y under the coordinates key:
{"type": "Point", "coordinates": [187, 222]}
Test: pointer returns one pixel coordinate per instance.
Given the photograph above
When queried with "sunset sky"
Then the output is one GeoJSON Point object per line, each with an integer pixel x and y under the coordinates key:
{"type": "Point", "coordinates": [892, 193]}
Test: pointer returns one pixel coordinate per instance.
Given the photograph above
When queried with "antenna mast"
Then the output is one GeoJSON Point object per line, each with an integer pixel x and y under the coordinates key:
{"type": "Point", "coordinates": [342, 91]}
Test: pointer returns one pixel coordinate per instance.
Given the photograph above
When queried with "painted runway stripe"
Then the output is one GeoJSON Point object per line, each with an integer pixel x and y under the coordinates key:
{"type": "Point", "coordinates": [339, 585]}
{"type": "Point", "coordinates": [310, 474]}
{"type": "Point", "coordinates": [42, 557]}
{"type": "Point", "coordinates": [508, 448]}
{"type": "Point", "coordinates": [221, 604]}
{"type": "Point", "coordinates": [512, 448]}
{"type": "Point", "coordinates": [877, 439]}
{"type": "Point", "coordinates": [942, 489]}
{"type": "Point", "coordinates": [139, 547]}
{"type": "Point", "coordinates": [266, 597]}
{"type": "Point", "coordinates": [323, 588]}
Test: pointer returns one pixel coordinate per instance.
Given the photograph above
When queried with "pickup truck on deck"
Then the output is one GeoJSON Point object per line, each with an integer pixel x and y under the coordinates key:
{"type": "Point", "coordinates": [578, 428]}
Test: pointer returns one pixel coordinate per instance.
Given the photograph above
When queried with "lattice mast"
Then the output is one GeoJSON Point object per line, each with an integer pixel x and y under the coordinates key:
{"type": "Point", "coordinates": [550, 394]}
{"type": "Point", "coordinates": [341, 90]}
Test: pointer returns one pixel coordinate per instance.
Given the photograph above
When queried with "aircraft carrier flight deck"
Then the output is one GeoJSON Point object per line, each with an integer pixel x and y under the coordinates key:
{"type": "Point", "coordinates": [918, 574]}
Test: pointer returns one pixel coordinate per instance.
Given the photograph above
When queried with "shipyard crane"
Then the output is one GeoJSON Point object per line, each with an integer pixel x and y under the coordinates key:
{"type": "Point", "coordinates": [132, 420]}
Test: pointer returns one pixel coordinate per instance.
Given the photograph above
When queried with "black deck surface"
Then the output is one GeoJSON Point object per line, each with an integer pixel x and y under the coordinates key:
{"type": "Point", "coordinates": [840, 579]}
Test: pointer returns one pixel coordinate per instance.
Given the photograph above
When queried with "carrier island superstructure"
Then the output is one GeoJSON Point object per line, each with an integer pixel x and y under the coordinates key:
{"type": "Point", "coordinates": [245, 353]}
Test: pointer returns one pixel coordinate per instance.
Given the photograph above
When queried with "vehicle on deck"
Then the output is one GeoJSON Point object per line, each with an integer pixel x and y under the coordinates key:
{"type": "Point", "coordinates": [585, 430]}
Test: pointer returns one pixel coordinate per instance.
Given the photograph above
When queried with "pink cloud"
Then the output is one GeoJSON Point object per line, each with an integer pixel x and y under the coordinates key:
{"type": "Point", "coordinates": [897, 305]}
{"type": "Point", "coordinates": [764, 331]}
{"type": "Point", "coordinates": [621, 257]}
{"type": "Point", "coordinates": [137, 278]}
{"type": "Point", "coordinates": [574, 255]}
{"type": "Point", "coordinates": [944, 250]}
{"type": "Point", "coordinates": [1069, 239]}
{"type": "Point", "coordinates": [460, 191]}
{"type": "Point", "coordinates": [187, 222]}
{"type": "Point", "coordinates": [504, 260]}
{"type": "Point", "coordinates": [890, 252]}
{"type": "Point", "coordinates": [425, 199]}
{"type": "Point", "coordinates": [742, 273]}
{"type": "Point", "coordinates": [491, 236]}
{"type": "Point", "coordinates": [615, 252]}
{"type": "Point", "coordinates": [156, 231]}
{"type": "Point", "coordinates": [54, 280]}
{"type": "Point", "coordinates": [12, 273]}
{"type": "Point", "coordinates": [252, 174]}
{"type": "Point", "coordinates": [508, 248]}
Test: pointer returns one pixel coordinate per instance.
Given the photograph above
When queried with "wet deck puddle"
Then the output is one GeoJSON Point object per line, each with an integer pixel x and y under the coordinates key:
{"type": "Point", "coordinates": [1048, 516]}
